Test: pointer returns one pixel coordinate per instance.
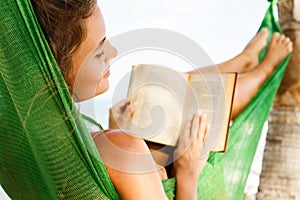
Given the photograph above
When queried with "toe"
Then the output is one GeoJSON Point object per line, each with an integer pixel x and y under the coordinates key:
{"type": "Point", "coordinates": [288, 44]}
{"type": "Point", "coordinates": [281, 39]}
{"type": "Point", "coordinates": [287, 41]}
{"type": "Point", "coordinates": [262, 36]}
{"type": "Point", "coordinates": [264, 32]}
{"type": "Point", "coordinates": [290, 47]}
{"type": "Point", "coordinates": [275, 37]}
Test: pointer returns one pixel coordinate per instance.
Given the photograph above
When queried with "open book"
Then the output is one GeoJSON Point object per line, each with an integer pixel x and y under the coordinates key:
{"type": "Point", "coordinates": [167, 99]}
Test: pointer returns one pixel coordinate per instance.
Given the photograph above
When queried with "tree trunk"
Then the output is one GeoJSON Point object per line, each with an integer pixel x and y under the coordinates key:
{"type": "Point", "coordinates": [280, 177]}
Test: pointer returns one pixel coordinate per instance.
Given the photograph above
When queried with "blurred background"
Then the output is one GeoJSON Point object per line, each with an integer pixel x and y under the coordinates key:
{"type": "Point", "coordinates": [221, 28]}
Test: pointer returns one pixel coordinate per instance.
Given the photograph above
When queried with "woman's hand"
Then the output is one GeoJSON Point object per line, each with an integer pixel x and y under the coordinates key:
{"type": "Point", "coordinates": [189, 147]}
{"type": "Point", "coordinates": [120, 114]}
{"type": "Point", "coordinates": [188, 166]}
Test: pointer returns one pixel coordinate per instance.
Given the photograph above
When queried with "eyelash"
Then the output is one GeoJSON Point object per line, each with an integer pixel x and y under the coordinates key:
{"type": "Point", "coordinates": [100, 55]}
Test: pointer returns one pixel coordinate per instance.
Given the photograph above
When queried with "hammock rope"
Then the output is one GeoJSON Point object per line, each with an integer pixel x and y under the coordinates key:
{"type": "Point", "coordinates": [46, 151]}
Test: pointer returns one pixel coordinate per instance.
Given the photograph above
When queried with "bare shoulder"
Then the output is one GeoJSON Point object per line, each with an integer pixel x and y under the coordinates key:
{"type": "Point", "coordinates": [121, 140]}
{"type": "Point", "coordinates": [130, 165]}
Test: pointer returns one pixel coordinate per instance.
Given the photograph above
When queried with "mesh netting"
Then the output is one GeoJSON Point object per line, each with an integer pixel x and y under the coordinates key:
{"type": "Point", "coordinates": [46, 151]}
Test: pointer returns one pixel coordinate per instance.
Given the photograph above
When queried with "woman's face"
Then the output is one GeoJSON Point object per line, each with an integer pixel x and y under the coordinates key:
{"type": "Point", "coordinates": [91, 60]}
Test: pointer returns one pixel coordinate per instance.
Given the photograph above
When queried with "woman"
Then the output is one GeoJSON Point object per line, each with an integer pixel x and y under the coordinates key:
{"type": "Point", "coordinates": [75, 31]}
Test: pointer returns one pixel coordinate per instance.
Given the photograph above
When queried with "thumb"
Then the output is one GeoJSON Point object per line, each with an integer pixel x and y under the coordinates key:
{"type": "Point", "coordinates": [132, 107]}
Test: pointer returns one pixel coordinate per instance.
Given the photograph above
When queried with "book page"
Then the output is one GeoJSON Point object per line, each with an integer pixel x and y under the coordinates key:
{"type": "Point", "coordinates": [160, 94]}
{"type": "Point", "coordinates": [229, 82]}
{"type": "Point", "coordinates": [212, 94]}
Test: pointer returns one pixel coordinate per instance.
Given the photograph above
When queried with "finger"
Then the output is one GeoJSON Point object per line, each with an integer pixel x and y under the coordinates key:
{"type": "Point", "coordinates": [129, 109]}
{"type": "Point", "coordinates": [202, 128]}
{"type": "Point", "coordinates": [195, 126]}
{"type": "Point", "coordinates": [132, 107]}
{"type": "Point", "coordinates": [206, 132]}
{"type": "Point", "coordinates": [123, 102]}
{"type": "Point", "coordinates": [184, 137]}
{"type": "Point", "coordinates": [121, 106]}
{"type": "Point", "coordinates": [186, 131]}
{"type": "Point", "coordinates": [187, 128]}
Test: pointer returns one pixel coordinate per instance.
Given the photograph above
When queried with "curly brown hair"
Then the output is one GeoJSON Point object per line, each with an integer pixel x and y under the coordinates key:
{"type": "Point", "coordinates": [63, 23]}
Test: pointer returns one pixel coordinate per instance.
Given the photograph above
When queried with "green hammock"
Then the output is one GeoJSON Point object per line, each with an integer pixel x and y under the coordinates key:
{"type": "Point", "coordinates": [46, 151]}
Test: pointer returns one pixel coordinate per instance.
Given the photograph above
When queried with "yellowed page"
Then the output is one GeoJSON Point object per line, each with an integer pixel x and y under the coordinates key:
{"type": "Point", "coordinates": [212, 94]}
{"type": "Point", "coordinates": [160, 94]}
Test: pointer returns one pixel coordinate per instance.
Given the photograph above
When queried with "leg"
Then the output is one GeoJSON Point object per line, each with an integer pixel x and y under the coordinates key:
{"type": "Point", "coordinates": [249, 83]}
{"type": "Point", "coordinates": [246, 60]}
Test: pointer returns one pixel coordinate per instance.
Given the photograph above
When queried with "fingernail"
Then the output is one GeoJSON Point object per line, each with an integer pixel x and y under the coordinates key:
{"type": "Point", "coordinates": [198, 112]}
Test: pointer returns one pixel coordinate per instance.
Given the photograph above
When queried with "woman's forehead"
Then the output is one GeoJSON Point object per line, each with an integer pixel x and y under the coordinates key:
{"type": "Point", "coordinates": [96, 30]}
{"type": "Point", "coordinates": [95, 33]}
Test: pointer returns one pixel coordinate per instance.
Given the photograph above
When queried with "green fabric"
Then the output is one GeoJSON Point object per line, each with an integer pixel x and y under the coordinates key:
{"type": "Point", "coordinates": [46, 151]}
{"type": "Point", "coordinates": [225, 175]}
{"type": "Point", "coordinates": [91, 121]}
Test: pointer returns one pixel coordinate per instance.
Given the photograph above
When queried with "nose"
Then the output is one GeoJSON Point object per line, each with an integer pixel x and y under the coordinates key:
{"type": "Point", "coordinates": [112, 52]}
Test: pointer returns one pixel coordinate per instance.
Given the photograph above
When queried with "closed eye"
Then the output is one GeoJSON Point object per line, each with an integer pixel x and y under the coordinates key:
{"type": "Point", "coordinates": [98, 56]}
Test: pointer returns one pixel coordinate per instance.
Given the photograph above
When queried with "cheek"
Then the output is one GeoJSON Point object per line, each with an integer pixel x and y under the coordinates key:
{"type": "Point", "coordinates": [89, 80]}
{"type": "Point", "coordinates": [91, 71]}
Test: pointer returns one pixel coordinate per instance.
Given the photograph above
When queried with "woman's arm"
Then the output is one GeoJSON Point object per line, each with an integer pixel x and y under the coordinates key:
{"type": "Point", "coordinates": [130, 166]}
{"type": "Point", "coordinates": [128, 160]}
{"type": "Point", "coordinates": [189, 164]}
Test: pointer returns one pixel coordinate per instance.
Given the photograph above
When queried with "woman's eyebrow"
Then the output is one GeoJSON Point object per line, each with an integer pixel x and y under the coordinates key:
{"type": "Point", "coordinates": [100, 44]}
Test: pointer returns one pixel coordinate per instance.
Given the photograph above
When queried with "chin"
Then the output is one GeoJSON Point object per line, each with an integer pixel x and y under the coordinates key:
{"type": "Point", "coordinates": [102, 87]}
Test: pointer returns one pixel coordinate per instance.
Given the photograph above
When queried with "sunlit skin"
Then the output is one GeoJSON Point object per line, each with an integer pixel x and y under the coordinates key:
{"type": "Point", "coordinates": [251, 73]}
{"type": "Point", "coordinates": [91, 67]}
{"type": "Point", "coordinates": [90, 77]}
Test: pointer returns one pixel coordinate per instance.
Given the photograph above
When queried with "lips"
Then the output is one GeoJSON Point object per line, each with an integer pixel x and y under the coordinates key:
{"type": "Point", "coordinates": [106, 75]}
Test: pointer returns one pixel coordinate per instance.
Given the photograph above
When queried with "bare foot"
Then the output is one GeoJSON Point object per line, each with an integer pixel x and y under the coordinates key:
{"type": "Point", "coordinates": [253, 49]}
{"type": "Point", "coordinates": [248, 84]}
{"type": "Point", "coordinates": [248, 59]}
{"type": "Point", "coordinates": [279, 47]}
